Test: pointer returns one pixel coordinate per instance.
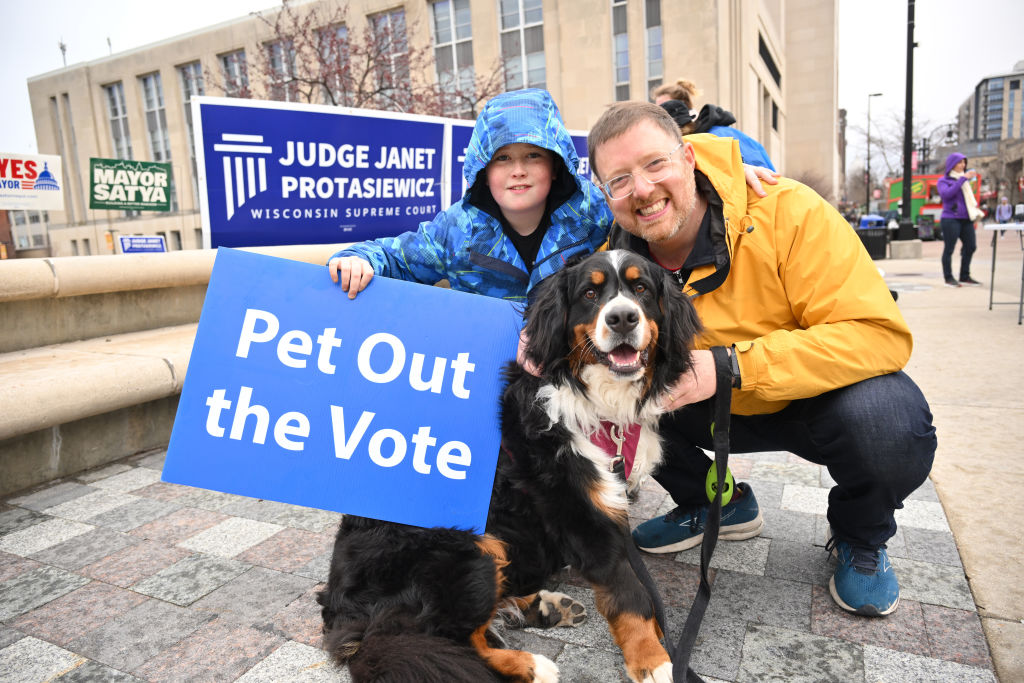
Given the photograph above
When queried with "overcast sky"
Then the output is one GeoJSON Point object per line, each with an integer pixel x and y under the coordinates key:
{"type": "Point", "coordinates": [959, 43]}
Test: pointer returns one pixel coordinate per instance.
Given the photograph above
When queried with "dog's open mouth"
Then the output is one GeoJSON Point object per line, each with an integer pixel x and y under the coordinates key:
{"type": "Point", "coordinates": [624, 359]}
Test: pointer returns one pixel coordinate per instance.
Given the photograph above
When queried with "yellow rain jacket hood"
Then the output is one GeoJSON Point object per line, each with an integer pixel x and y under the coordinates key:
{"type": "Point", "coordinates": [792, 287]}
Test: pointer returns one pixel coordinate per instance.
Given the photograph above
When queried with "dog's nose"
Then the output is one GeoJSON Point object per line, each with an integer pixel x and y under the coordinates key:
{"type": "Point", "coordinates": [622, 319]}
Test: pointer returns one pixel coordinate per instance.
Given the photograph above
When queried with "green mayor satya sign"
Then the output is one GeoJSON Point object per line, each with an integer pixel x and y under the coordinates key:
{"type": "Point", "coordinates": [129, 185]}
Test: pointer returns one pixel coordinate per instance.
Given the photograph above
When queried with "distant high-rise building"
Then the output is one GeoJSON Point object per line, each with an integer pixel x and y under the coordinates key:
{"type": "Point", "coordinates": [995, 110]}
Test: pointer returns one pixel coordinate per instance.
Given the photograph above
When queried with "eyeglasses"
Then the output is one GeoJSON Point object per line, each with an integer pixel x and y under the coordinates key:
{"type": "Point", "coordinates": [654, 171]}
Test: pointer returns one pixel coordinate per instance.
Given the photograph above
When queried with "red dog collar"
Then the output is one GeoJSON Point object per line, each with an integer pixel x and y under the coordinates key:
{"type": "Point", "coordinates": [618, 442]}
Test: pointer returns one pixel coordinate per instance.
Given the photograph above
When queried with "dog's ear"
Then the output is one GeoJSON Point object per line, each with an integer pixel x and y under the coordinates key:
{"type": "Point", "coordinates": [680, 325]}
{"type": "Point", "coordinates": [546, 319]}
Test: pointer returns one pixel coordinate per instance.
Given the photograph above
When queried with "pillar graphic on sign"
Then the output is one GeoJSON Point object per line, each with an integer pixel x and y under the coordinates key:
{"type": "Point", "coordinates": [245, 171]}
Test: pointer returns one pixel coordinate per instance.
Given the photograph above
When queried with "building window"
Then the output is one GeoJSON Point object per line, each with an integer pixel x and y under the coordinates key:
{"type": "Point", "coordinates": [332, 44]}
{"type": "Point", "coordinates": [236, 74]}
{"type": "Point", "coordinates": [28, 228]}
{"type": "Point", "coordinates": [175, 244]}
{"type": "Point", "coordinates": [199, 238]}
{"type": "Point", "coordinates": [156, 117]}
{"type": "Point", "coordinates": [192, 86]}
{"type": "Point", "coordinates": [1009, 114]}
{"type": "Point", "coordinates": [156, 125]}
{"type": "Point", "coordinates": [522, 44]}
{"type": "Point", "coordinates": [655, 66]}
{"type": "Point", "coordinates": [620, 50]}
{"type": "Point", "coordinates": [453, 52]}
{"type": "Point", "coordinates": [769, 62]}
{"type": "Point", "coordinates": [86, 246]}
{"type": "Point", "coordinates": [393, 67]}
{"type": "Point", "coordinates": [281, 59]}
{"type": "Point", "coordinates": [993, 114]}
{"type": "Point", "coordinates": [116, 112]}
{"type": "Point", "coordinates": [74, 247]}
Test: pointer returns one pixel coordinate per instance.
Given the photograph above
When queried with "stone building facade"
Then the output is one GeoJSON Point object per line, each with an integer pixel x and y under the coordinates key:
{"type": "Point", "coordinates": [773, 63]}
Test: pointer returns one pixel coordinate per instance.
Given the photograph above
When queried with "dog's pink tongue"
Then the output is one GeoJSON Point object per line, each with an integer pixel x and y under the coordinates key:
{"type": "Point", "coordinates": [624, 355]}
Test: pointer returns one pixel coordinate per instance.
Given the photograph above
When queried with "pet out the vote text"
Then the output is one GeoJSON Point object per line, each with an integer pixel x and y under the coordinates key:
{"type": "Point", "coordinates": [381, 358]}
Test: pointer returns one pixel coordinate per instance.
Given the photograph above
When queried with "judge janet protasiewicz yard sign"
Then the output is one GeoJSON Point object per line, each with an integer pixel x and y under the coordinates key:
{"type": "Point", "coordinates": [124, 185]}
{"type": "Point", "coordinates": [385, 406]}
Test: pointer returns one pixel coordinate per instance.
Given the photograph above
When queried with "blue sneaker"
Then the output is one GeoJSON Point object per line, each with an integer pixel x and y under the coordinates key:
{"type": "Point", "coordinates": [682, 529]}
{"type": "Point", "coordinates": [864, 581]}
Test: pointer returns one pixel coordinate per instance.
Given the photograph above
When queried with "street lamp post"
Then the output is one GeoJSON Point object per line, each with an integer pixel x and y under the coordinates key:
{"type": "Point", "coordinates": [867, 175]}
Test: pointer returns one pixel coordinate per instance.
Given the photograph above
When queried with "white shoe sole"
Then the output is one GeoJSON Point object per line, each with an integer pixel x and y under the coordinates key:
{"type": "Point", "coordinates": [872, 612]}
{"type": "Point", "coordinates": [733, 532]}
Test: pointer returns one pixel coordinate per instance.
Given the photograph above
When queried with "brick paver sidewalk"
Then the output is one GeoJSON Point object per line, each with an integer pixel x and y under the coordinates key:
{"type": "Point", "coordinates": [113, 575]}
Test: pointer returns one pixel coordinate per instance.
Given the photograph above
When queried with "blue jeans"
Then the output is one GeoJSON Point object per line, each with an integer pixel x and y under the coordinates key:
{"type": "Point", "coordinates": [875, 437]}
{"type": "Point", "coordinates": [962, 229]}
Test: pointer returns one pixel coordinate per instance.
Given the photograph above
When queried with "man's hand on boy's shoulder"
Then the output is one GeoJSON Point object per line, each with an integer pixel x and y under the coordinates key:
{"type": "Point", "coordinates": [352, 272]}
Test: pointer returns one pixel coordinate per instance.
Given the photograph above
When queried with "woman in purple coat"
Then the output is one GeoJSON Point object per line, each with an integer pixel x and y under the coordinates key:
{"type": "Point", "coordinates": [959, 211]}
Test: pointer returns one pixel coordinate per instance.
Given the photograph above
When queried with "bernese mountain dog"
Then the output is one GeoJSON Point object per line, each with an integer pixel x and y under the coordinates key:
{"type": "Point", "coordinates": [610, 332]}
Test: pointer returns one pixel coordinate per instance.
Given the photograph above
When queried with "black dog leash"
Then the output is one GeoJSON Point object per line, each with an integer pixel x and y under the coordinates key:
{"type": "Point", "coordinates": [681, 653]}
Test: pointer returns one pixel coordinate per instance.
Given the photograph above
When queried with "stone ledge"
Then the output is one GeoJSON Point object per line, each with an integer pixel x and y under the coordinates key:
{"type": "Point", "coordinates": [65, 450]}
{"type": "Point", "coordinates": [68, 276]}
{"type": "Point", "coordinates": [52, 385]}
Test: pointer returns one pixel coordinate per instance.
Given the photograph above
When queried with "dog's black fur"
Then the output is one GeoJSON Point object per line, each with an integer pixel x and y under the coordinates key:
{"type": "Point", "coordinates": [611, 333]}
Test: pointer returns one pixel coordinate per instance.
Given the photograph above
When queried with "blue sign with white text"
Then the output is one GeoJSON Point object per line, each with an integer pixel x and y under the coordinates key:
{"type": "Point", "coordinates": [385, 406]}
{"type": "Point", "coordinates": [141, 244]}
{"type": "Point", "coordinates": [280, 174]}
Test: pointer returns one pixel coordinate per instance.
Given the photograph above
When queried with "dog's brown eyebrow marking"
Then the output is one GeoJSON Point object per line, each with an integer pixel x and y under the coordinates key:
{"type": "Point", "coordinates": [632, 272]}
{"type": "Point", "coordinates": [597, 277]}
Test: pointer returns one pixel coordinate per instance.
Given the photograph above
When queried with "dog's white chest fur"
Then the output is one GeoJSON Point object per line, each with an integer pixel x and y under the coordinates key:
{"type": "Point", "coordinates": [612, 400]}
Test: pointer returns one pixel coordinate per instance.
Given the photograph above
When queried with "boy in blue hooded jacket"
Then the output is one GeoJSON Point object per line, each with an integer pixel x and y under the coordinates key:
{"type": "Point", "coordinates": [526, 212]}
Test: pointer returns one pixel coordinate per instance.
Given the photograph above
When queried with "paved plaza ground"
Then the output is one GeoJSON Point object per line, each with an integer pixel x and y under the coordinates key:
{"type": "Point", "coordinates": [112, 575]}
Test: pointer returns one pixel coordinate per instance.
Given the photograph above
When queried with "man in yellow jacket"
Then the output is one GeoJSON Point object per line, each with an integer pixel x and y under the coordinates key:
{"type": "Point", "coordinates": [816, 341]}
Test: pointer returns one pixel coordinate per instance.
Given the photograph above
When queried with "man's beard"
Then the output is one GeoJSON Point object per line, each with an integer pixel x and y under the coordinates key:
{"type": "Point", "coordinates": [681, 216]}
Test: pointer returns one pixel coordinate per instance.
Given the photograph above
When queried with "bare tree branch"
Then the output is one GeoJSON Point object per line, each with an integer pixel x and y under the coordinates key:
{"type": "Point", "coordinates": [313, 56]}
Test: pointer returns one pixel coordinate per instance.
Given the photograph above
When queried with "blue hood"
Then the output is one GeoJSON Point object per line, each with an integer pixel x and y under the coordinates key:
{"type": "Point", "coordinates": [952, 160]}
{"type": "Point", "coordinates": [529, 116]}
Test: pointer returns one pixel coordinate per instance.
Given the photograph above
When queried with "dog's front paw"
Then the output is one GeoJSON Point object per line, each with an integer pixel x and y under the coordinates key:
{"type": "Point", "coordinates": [544, 670]}
{"type": "Point", "coordinates": [662, 674]}
{"type": "Point", "coordinates": [558, 609]}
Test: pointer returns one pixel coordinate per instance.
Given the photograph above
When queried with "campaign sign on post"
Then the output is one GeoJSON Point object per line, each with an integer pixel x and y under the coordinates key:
{"type": "Point", "coordinates": [277, 173]}
{"type": "Point", "coordinates": [31, 181]}
{"type": "Point", "coordinates": [123, 184]}
{"type": "Point", "coordinates": [142, 244]}
{"type": "Point", "coordinates": [384, 406]}
{"type": "Point", "coordinates": [282, 173]}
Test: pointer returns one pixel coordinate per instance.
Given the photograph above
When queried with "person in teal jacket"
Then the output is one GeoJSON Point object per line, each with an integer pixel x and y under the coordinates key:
{"type": "Point", "coordinates": [527, 210]}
